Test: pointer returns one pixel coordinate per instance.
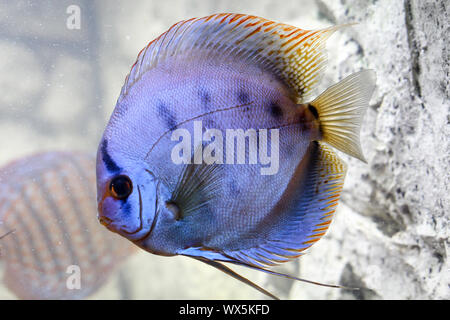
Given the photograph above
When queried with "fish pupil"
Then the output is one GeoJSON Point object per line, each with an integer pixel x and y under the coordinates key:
{"type": "Point", "coordinates": [121, 187]}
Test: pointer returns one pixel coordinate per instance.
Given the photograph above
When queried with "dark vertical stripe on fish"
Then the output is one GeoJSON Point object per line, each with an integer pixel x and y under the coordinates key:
{"type": "Point", "coordinates": [61, 221]}
{"type": "Point", "coordinates": [28, 235]}
{"type": "Point", "coordinates": [107, 160]}
{"type": "Point", "coordinates": [17, 248]}
{"type": "Point", "coordinates": [4, 244]}
{"type": "Point", "coordinates": [234, 189]}
{"type": "Point", "coordinates": [243, 97]}
{"type": "Point", "coordinates": [205, 99]}
{"type": "Point", "coordinates": [89, 192]}
{"type": "Point", "coordinates": [82, 225]}
{"type": "Point", "coordinates": [167, 116]}
{"type": "Point", "coordinates": [43, 230]}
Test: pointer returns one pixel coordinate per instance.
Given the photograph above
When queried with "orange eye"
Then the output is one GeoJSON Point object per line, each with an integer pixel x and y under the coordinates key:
{"type": "Point", "coordinates": [121, 187]}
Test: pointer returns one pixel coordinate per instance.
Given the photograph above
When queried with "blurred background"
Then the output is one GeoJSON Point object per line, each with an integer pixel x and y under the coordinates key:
{"type": "Point", "coordinates": [59, 85]}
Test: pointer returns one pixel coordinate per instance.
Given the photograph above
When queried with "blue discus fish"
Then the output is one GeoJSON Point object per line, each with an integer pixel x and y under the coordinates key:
{"type": "Point", "coordinates": [229, 194]}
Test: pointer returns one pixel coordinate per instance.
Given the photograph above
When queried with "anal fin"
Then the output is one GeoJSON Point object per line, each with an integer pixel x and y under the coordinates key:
{"type": "Point", "coordinates": [304, 212]}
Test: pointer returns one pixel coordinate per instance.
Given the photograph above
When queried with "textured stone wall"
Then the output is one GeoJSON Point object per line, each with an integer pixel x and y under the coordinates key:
{"type": "Point", "coordinates": [390, 233]}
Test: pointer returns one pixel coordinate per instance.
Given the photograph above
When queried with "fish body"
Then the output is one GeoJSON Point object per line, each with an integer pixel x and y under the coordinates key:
{"type": "Point", "coordinates": [208, 77]}
{"type": "Point", "coordinates": [47, 201]}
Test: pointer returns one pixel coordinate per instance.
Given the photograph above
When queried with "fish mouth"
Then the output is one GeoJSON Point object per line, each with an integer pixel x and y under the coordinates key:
{"type": "Point", "coordinates": [105, 221]}
{"type": "Point", "coordinates": [108, 223]}
{"type": "Point", "coordinates": [114, 227]}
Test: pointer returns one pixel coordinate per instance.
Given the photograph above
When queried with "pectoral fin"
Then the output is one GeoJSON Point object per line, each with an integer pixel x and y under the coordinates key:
{"type": "Point", "coordinates": [197, 185]}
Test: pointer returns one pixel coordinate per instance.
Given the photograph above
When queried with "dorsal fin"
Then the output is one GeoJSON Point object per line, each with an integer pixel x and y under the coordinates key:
{"type": "Point", "coordinates": [296, 56]}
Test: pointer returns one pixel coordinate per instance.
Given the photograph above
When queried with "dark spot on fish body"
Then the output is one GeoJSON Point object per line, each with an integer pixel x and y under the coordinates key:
{"type": "Point", "coordinates": [59, 216]}
{"type": "Point", "coordinates": [246, 109]}
{"type": "Point", "coordinates": [234, 188]}
{"type": "Point", "coordinates": [313, 110]}
{"type": "Point", "coordinates": [111, 166]}
{"type": "Point", "coordinates": [39, 219]}
{"type": "Point", "coordinates": [125, 207]}
{"type": "Point", "coordinates": [210, 124]}
{"type": "Point", "coordinates": [275, 110]}
{"type": "Point", "coordinates": [21, 250]}
{"type": "Point", "coordinates": [83, 225]}
{"type": "Point", "coordinates": [243, 97]}
{"type": "Point", "coordinates": [167, 116]}
{"type": "Point", "coordinates": [205, 99]}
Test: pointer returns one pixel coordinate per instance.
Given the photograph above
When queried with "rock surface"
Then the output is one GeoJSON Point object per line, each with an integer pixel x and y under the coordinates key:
{"type": "Point", "coordinates": [390, 235]}
{"type": "Point", "coordinates": [391, 232]}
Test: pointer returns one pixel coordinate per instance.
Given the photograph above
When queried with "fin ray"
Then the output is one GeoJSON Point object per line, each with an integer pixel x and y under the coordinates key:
{"type": "Point", "coordinates": [297, 56]}
{"type": "Point", "coordinates": [341, 109]}
{"type": "Point", "coordinates": [312, 208]}
{"type": "Point", "coordinates": [235, 275]}
{"type": "Point", "coordinates": [293, 277]}
{"type": "Point", "coordinates": [196, 187]}
{"type": "Point", "coordinates": [228, 271]}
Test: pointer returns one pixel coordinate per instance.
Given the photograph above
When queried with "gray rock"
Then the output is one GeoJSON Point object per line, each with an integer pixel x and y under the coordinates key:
{"type": "Point", "coordinates": [391, 232]}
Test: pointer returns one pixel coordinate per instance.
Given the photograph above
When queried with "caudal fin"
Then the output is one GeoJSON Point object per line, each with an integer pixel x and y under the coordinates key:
{"type": "Point", "coordinates": [341, 109]}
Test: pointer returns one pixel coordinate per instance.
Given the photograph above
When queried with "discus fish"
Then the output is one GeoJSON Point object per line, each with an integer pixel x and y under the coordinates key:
{"type": "Point", "coordinates": [205, 77]}
{"type": "Point", "coordinates": [47, 203]}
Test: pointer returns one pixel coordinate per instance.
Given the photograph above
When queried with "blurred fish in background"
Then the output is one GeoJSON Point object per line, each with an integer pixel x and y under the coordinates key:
{"type": "Point", "coordinates": [9, 232]}
{"type": "Point", "coordinates": [50, 230]}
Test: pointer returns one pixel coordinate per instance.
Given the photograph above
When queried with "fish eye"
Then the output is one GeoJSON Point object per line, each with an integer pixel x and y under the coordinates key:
{"type": "Point", "coordinates": [121, 187]}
